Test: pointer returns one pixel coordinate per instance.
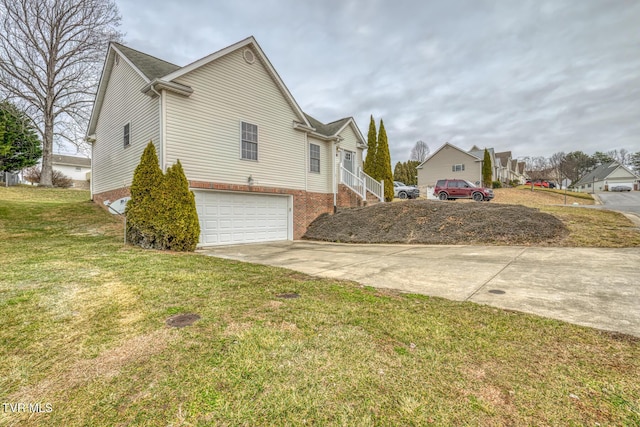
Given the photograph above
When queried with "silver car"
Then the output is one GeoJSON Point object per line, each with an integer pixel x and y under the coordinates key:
{"type": "Point", "coordinates": [621, 188]}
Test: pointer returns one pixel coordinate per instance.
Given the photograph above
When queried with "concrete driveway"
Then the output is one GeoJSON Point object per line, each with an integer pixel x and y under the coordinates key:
{"type": "Point", "coordinates": [591, 287]}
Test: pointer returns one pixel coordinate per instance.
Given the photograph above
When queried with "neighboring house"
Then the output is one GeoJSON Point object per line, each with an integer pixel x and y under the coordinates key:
{"type": "Point", "coordinates": [479, 153]}
{"type": "Point", "coordinates": [521, 174]}
{"type": "Point", "coordinates": [606, 176]}
{"type": "Point", "coordinates": [510, 169]}
{"type": "Point", "coordinates": [452, 162]}
{"type": "Point", "coordinates": [76, 168]}
{"type": "Point", "coordinates": [503, 164]}
{"type": "Point", "coordinates": [260, 168]}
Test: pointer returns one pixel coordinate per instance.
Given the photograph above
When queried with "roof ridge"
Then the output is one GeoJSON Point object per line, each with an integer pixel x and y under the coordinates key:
{"type": "Point", "coordinates": [145, 54]}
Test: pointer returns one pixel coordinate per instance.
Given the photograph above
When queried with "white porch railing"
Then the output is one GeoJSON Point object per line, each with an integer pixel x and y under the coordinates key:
{"type": "Point", "coordinates": [374, 187]}
{"type": "Point", "coordinates": [362, 183]}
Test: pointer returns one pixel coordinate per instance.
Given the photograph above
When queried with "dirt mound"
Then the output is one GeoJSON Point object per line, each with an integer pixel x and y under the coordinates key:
{"type": "Point", "coordinates": [435, 222]}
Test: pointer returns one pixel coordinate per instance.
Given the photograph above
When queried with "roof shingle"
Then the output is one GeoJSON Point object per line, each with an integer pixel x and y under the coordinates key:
{"type": "Point", "coordinates": [150, 66]}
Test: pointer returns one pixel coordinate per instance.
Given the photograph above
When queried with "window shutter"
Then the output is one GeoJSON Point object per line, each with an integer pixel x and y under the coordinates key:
{"type": "Point", "coordinates": [453, 168]}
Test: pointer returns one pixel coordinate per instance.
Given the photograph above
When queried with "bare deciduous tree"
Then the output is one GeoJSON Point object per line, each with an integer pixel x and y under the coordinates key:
{"type": "Point", "coordinates": [537, 168]}
{"type": "Point", "coordinates": [420, 151]}
{"type": "Point", "coordinates": [50, 57]}
{"type": "Point", "coordinates": [555, 163]}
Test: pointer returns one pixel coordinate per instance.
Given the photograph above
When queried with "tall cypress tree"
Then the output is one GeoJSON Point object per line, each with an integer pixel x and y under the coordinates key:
{"type": "Point", "coordinates": [486, 169]}
{"type": "Point", "coordinates": [398, 172]}
{"type": "Point", "coordinates": [383, 160]}
{"type": "Point", "coordinates": [372, 146]}
{"type": "Point", "coordinates": [145, 205]}
{"type": "Point", "coordinates": [179, 224]}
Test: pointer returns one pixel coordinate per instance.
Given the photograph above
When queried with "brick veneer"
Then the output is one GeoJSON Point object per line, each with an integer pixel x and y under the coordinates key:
{"type": "Point", "coordinates": [307, 206]}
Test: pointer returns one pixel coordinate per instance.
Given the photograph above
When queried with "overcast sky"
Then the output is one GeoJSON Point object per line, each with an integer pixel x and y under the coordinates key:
{"type": "Point", "coordinates": [534, 77]}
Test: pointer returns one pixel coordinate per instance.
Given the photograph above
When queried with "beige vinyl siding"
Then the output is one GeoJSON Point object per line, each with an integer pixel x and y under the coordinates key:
{"type": "Point", "coordinates": [621, 173]}
{"type": "Point", "coordinates": [439, 167]}
{"type": "Point", "coordinates": [350, 143]}
{"type": "Point", "coordinates": [321, 182]}
{"type": "Point", "coordinates": [204, 130]}
{"type": "Point", "coordinates": [113, 164]}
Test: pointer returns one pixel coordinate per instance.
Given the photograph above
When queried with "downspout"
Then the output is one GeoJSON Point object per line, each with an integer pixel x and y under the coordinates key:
{"type": "Point", "coordinates": [307, 162]}
{"type": "Point", "coordinates": [335, 195]}
{"type": "Point", "coordinates": [92, 174]}
{"type": "Point", "coordinates": [161, 124]}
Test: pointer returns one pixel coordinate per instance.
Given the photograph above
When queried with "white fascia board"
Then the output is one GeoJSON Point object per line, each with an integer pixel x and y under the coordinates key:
{"type": "Point", "coordinates": [102, 86]}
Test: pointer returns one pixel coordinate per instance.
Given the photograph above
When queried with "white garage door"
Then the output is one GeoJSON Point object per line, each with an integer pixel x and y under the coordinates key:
{"type": "Point", "coordinates": [626, 184]}
{"type": "Point", "coordinates": [228, 218]}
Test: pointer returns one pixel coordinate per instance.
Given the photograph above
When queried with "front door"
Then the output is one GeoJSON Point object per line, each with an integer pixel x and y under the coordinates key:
{"type": "Point", "coordinates": [348, 160]}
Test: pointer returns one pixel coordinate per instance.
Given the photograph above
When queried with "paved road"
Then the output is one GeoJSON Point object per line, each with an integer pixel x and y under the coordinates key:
{"type": "Point", "coordinates": [628, 201]}
{"type": "Point", "coordinates": [586, 286]}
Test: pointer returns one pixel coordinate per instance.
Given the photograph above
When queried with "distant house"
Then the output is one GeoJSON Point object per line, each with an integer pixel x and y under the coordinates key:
{"type": "Point", "coordinates": [261, 169]}
{"type": "Point", "coordinates": [510, 170]}
{"type": "Point", "coordinates": [76, 168]}
{"type": "Point", "coordinates": [450, 161]}
{"type": "Point", "coordinates": [606, 176]}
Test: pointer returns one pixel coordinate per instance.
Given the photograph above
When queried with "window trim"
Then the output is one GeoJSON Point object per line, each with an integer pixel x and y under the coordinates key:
{"type": "Point", "coordinates": [126, 137]}
{"type": "Point", "coordinates": [459, 167]}
{"type": "Point", "coordinates": [311, 158]}
{"type": "Point", "coordinates": [242, 141]}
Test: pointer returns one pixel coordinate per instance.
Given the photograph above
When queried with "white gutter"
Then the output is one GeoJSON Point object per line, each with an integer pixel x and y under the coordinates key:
{"type": "Point", "coordinates": [307, 162]}
{"type": "Point", "coordinates": [312, 131]}
{"type": "Point", "coordinates": [157, 84]}
{"type": "Point", "coordinates": [333, 178]}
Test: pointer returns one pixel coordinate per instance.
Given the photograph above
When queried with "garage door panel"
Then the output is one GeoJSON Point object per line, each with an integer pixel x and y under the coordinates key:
{"type": "Point", "coordinates": [227, 218]}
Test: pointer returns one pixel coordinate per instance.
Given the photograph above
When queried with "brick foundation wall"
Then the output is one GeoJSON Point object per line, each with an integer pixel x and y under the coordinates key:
{"type": "Point", "coordinates": [112, 195]}
{"type": "Point", "coordinates": [307, 206]}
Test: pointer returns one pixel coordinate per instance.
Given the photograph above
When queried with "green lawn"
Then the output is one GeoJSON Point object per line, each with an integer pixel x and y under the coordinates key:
{"type": "Point", "coordinates": [83, 329]}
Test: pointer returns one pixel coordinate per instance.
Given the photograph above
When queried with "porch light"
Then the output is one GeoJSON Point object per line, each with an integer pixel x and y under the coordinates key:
{"type": "Point", "coordinates": [250, 180]}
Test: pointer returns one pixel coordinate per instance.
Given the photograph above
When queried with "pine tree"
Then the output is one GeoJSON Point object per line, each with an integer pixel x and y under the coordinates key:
{"type": "Point", "coordinates": [20, 146]}
{"type": "Point", "coordinates": [406, 177]}
{"type": "Point", "coordinates": [486, 169]}
{"type": "Point", "coordinates": [372, 146]}
{"type": "Point", "coordinates": [179, 226]}
{"type": "Point", "coordinates": [145, 205]}
{"type": "Point", "coordinates": [398, 172]}
{"type": "Point", "coordinates": [383, 163]}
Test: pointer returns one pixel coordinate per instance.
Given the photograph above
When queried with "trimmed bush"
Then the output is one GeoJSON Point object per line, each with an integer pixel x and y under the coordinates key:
{"type": "Point", "coordinates": [496, 184]}
{"type": "Point", "coordinates": [180, 226]}
{"type": "Point", "coordinates": [162, 211]}
{"type": "Point", "coordinates": [144, 208]}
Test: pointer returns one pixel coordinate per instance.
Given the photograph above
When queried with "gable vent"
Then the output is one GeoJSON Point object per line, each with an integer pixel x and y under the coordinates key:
{"type": "Point", "coordinates": [249, 56]}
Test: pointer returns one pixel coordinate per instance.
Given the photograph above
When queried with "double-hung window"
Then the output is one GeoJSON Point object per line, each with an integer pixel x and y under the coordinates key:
{"type": "Point", "coordinates": [457, 168]}
{"type": "Point", "coordinates": [314, 158]}
{"type": "Point", "coordinates": [249, 141]}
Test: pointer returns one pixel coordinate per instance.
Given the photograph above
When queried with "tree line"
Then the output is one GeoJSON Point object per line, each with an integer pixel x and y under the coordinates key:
{"type": "Point", "coordinates": [377, 163]}
{"type": "Point", "coordinates": [576, 164]}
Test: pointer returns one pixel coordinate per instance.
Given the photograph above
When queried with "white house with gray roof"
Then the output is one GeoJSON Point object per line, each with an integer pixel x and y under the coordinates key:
{"type": "Point", "coordinates": [604, 177]}
{"type": "Point", "coordinates": [261, 169]}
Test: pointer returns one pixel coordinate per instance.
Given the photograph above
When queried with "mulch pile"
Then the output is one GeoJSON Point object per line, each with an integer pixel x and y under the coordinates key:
{"type": "Point", "coordinates": [441, 223]}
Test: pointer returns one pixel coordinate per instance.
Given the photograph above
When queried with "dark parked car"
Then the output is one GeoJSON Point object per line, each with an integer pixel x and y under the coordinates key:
{"type": "Point", "coordinates": [620, 188]}
{"type": "Point", "coordinates": [461, 189]}
{"type": "Point", "coordinates": [405, 191]}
